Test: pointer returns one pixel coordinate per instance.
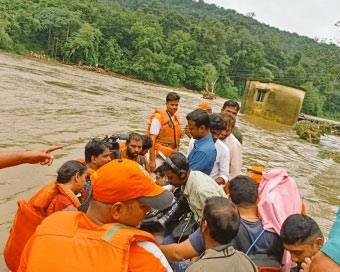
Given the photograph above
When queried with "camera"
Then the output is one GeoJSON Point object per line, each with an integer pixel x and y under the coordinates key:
{"type": "Point", "coordinates": [114, 144]}
{"type": "Point", "coordinates": [157, 221]}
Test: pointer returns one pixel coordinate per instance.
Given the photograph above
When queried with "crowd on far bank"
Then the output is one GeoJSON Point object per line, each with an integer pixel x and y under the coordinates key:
{"type": "Point", "coordinates": [138, 204]}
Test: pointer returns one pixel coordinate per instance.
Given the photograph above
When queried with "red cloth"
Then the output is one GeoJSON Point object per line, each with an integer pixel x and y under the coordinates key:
{"type": "Point", "coordinates": [59, 203]}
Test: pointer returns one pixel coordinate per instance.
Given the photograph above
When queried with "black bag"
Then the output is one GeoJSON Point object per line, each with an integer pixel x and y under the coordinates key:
{"type": "Point", "coordinates": [186, 226]}
{"type": "Point", "coordinates": [265, 262]}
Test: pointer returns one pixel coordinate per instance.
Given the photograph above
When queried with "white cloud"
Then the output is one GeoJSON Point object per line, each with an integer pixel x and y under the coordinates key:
{"type": "Point", "coordinates": [312, 18]}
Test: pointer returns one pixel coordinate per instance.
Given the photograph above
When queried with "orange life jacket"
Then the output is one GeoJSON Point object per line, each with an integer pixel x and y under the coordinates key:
{"type": "Point", "coordinates": [255, 172]}
{"type": "Point", "coordinates": [168, 138]}
{"type": "Point", "coordinates": [88, 247]}
{"type": "Point", "coordinates": [122, 145]}
{"type": "Point", "coordinates": [29, 215]}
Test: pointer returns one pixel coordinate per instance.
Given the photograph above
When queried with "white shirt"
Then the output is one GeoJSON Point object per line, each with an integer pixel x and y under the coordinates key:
{"type": "Point", "coordinates": [221, 165]}
{"type": "Point", "coordinates": [155, 126]}
{"type": "Point", "coordinates": [235, 149]}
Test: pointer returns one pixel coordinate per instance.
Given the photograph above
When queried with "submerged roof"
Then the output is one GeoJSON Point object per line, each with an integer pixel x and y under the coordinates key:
{"type": "Point", "coordinates": [276, 82]}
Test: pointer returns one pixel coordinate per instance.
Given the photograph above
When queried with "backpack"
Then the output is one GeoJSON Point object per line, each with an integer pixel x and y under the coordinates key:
{"type": "Point", "coordinates": [265, 262]}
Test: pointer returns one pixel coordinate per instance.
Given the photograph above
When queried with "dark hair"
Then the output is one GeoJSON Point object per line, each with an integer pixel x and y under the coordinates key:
{"type": "Point", "coordinates": [223, 219]}
{"type": "Point", "coordinates": [229, 119]}
{"type": "Point", "coordinates": [68, 170]}
{"type": "Point", "coordinates": [217, 122]}
{"type": "Point", "coordinates": [299, 229]}
{"type": "Point", "coordinates": [95, 147]}
{"type": "Point", "coordinates": [160, 170]}
{"type": "Point", "coordinates": [243, 190]}
{"type": "Point", "coordinates": [200, 117]}
{"type": "Point", "coordinates": [231, 103]}
{"type": "Point", "coordinates": [179, 160]}
{"type": "Point", "coordinates": [172, 96]}
{"type": "Point", "coordinates": [147, 142]}
{"type": "Point", "coordinates": [135, 137]}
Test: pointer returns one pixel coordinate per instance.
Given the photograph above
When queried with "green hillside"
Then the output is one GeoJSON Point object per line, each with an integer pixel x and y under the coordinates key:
{"type": "Point", "coordinates": [175, 42]}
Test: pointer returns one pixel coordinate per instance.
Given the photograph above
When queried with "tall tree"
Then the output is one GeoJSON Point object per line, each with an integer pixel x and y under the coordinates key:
{"type": "Point", "coordinates": [83, 45]}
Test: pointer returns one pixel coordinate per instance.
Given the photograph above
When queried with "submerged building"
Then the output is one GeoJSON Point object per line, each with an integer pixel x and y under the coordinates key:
{"type": "Point", "coordinates": [272, 101]}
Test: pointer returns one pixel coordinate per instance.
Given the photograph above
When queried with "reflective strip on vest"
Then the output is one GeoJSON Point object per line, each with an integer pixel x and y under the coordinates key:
{"type": "Point", "coordinates": [156, 252]}
{"type": "Point", "coordinates": [109, 234]}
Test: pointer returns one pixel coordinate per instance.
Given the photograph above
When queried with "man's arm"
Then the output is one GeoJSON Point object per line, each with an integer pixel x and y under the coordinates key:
{"type": "Point", "coordinates": [154, 131]}
{"type": "Point", "coordinates": [321, 262]}
{"type": "Point", "coordinates": [146, 256]}
{"type": "Point", "coordinates": [179, 252]}
{"type": "Point", "coordinates": [42, 156]}
{"type": "Point", "coordinates": [235, 161]}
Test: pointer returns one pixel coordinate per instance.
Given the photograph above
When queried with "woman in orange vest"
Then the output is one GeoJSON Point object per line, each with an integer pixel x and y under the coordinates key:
{"type": "Point", "coordinates": [54, 197]}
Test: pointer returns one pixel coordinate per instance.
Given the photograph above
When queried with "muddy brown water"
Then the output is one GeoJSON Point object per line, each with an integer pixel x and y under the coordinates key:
{"type": "Point", "coordinates": [45, 104]}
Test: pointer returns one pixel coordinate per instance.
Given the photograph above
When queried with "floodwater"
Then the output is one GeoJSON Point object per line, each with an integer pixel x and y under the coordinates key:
{"type": "Point", "coordinates": [45, 104]}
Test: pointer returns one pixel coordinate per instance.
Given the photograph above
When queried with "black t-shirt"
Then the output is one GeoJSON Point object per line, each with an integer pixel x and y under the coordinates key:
{"type": "Point", "coordinates": [269, 242]}
{"type": "Point", "coordinates": [253, 229]}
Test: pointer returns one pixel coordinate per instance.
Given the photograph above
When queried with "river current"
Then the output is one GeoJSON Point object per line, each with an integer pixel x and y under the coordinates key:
{"type": "Point", "coordinates": [43, 104]}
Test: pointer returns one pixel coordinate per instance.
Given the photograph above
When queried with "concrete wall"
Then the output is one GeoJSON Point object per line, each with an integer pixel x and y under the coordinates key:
{"type": "Point", "coordinates": [272, 101]}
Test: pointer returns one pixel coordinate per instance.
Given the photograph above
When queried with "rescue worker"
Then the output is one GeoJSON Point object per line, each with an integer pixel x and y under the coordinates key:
{"type": "Point", "coordinates": [165, 131]}
{"type": "Point", "coordinates": [105, 238]}
{"type": "Point", "coordinates": [205, 106]}
{"type": "Point", "coordinates": [56, 196]}
{"type": "Point", "coordinates": [41, 155]}
{"type": "Point", "coordinates": [133, 150]}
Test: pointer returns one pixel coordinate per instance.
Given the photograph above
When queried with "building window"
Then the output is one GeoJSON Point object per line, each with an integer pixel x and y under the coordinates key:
{"type": "Point", "coordinates": [260, 95]}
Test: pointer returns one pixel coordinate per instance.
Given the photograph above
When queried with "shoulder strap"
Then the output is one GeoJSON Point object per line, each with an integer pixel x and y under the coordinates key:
{"type": "Point", "coordinates": [253, 244]}
{"type": "Point", "coordinates": [142, 161]}
{"type": "Point", "coordinates": [173, 126]}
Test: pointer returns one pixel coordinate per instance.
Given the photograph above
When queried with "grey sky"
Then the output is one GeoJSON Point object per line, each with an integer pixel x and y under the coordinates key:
{"type": "Point", "coordinates": [312, 18]}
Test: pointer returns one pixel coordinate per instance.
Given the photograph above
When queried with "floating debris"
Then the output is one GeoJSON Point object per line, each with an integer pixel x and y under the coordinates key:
{"type": "Point", "coordinates": [208, 95]}
{"type": "Point", "coordinates": [326, 154]}
{"type": "Point", "coordinates": [311, 132]}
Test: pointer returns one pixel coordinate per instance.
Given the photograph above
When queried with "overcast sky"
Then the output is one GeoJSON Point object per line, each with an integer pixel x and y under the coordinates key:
{"type": "Point", "coordinates": [312, 18]}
